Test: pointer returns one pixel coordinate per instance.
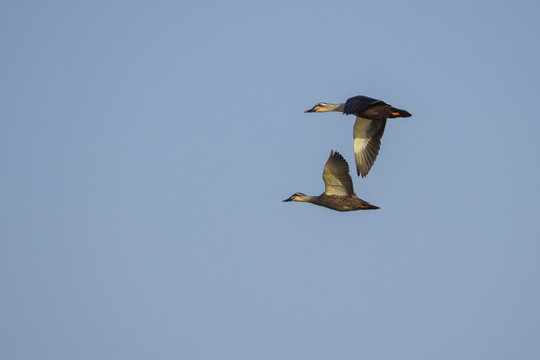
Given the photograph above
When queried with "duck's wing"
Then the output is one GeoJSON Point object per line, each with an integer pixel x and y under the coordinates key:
{"type": "Point", "coordinates": [358, 104]}
{"type": "Point", "coordinates": [367, 142]}
{"type": "Point", "coordinates": [336, 176]}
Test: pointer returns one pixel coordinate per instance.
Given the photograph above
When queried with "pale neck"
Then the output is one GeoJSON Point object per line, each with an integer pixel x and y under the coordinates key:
{"type": "Point", "coordinates": [305, 198]}
{"type": "Point", "coordinates": [334, 107]}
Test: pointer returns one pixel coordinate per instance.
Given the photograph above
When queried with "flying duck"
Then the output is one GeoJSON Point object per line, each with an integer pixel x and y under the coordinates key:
{"type": "Point", "coordinates": [371, 115]}
{"type": "Point", "coordinates": [338, 193]}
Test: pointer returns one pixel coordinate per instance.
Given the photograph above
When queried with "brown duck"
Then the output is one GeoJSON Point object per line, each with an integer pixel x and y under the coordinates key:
{"type": "Point", "coordinates": [371, 115]}
{"type": "Point", "coordinates": [338, 193]}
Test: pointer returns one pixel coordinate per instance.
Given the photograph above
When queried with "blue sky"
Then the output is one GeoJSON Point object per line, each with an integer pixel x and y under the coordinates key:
{"type": "Point", "coordinates": [146, 147]}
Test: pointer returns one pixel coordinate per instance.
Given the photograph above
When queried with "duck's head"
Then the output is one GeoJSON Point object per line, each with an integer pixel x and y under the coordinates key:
{"type": "Point", "coordinates": [321, 107]}
{"type": "Point", "coordinates": [296, 197]}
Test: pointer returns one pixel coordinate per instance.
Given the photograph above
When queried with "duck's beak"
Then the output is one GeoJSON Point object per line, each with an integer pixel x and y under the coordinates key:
{"type": "Point", "coordinates": [286, 200]}
{"type": "Point", "coordinates": [310, 110]}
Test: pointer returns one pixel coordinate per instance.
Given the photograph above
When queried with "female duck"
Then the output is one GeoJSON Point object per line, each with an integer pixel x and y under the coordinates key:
{"type": "Point", "coordinates": [338, 194]}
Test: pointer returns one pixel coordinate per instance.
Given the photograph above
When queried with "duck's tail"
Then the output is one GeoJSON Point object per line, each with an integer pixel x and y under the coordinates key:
{"type": "Point", "coordinates": [368, 206]}
{"type": "Point", "coordinates": [395, 113]}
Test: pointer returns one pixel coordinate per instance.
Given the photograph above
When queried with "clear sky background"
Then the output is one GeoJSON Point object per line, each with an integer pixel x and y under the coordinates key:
{"type": "Point", "coordinates": [145, 148]}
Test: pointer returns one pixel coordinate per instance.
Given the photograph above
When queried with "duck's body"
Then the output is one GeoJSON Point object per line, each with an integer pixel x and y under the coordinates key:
{"type": "Point", "coordinates": [339, 193]}
{"type": "Point", "coordinates": [371, 115]}
{"type": "Point", "coordinates": [372, 109]}
{"type": "Point", "coordinates": [335, 202]}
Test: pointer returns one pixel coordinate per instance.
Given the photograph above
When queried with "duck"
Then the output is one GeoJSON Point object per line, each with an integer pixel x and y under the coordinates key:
{"type": "Point", "coordinates": [339, 193]}
{"type": "Point", "coordinates": [371, 115]}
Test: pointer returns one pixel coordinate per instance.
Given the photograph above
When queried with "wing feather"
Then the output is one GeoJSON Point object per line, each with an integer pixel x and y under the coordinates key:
{"type": "Point", "coordinates": [367, 142]}
{"type": "Point", "coordinates": [336, 176]}
{"type": "Point", "coordinates": [358, 104]}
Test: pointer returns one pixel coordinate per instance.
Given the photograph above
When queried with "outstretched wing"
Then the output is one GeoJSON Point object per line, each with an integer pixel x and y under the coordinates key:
{"type": "Point", "coordinates": [336, 176]}
{"type": "Point", "coordinates": [358, 104]}
{"type": "Point", "coordinates": [367, 142]}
